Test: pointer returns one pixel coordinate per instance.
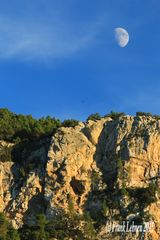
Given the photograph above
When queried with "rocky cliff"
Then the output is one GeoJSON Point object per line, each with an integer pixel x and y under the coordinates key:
{"type": "Point", "coordinates": [110, 168]}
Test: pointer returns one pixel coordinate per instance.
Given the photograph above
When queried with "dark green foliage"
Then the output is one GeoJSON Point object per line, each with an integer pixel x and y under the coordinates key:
{"type": "Point", "coordinates": [61, 226]}
{"type": "Point", "coordinates": [65, 225]}
{"type": "Point", "coordinates": [6, 230]}
{"type": "Point", "coordinates": [40, 233]}
{"type": "Point", "coordinates": [94, 117]}
{"type": "Point", "coordinates": [3, 227]}
{"type": "Point", "coordinates": [26, 232]}
{"type": "Point", "coordinates": [120, 164]}
{"type": "Point", "coordinates": [115, 115]}
{"type": "Point", "coordinates": [152, 190]}
{"type": "Point", "coordinates": [71, 206]}
{"type": "Point", "coordinates": [143, 114]}
{"type": "Point", "coordinates": [6, 153]}
{"type": "Point", "coordinates": [105, 208]}
{"type": "Point", "coordinates": [12, 233]}
{"type": "Point", "coordinates": [23, 131]}
{"type": "Point", "coordinates": [156, 117]}
{"type": "Point", "coordinates": [95, 178]}
{"type": "Point", "coordinates": [144, 196]}
{"type": "Point", "coordinates": [89, 230]}
{"type": "Point", "coordinates": [37, 232]}
{"type": "Point", "coordinates": [70, 123]}
{"type": "Point", "coordinates": [122, 176]}
{"type": "Point", "coordinates": [16, 127]}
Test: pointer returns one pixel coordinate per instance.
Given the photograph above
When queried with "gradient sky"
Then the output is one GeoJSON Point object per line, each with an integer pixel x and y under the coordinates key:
{"type": "Point", "coordinates": [60, 57]}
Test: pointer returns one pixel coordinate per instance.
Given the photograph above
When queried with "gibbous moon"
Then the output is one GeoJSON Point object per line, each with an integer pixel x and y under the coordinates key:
{"type": "Point", "coordinates": [121, 36]}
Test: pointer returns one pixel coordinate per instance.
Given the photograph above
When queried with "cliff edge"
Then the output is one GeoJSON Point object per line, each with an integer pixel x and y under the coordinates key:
{"type": "Point", "coordinates": [109, 167]}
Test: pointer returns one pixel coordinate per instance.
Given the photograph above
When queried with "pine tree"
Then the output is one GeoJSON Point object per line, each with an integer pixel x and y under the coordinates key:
{"type": "Point", "coordinates": [3, 227]}
{"type": "Point", "coordinates": [41, 234]}
{"type": "Point", "coordinates": [7, 232]}
{"type": "Point", "coordinates": [88, 228]}
{"type": "Point", "coordinates": [12, 234]}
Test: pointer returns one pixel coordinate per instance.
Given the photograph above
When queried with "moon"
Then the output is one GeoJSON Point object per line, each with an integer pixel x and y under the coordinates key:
{"type": "Point", "coordinates": [121, 36]}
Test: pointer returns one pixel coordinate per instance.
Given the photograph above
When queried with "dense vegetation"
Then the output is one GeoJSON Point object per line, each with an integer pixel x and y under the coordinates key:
{"type": "Point", "coordinates": [94, 117]}
{"type": "Point", "coordinates": [70, 123]}
{"type": "Point", "coordinates": [7, 232]}
{"type": "Point", "coordinates": [112, 114]}
{"type": "Point", "coordinates": [64, 226]}
{"type": "Point", "coordinates": [24, 130]}
{"type": "Point", "coordinates": [17, 127]}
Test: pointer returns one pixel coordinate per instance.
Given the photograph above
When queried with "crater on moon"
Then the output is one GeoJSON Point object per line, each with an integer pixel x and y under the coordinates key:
{"type": "Point", "coordinates": [121, 36]}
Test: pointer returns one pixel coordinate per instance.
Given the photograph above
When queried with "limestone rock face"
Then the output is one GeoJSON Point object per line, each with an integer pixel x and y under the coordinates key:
{"type": "Point", "coordinates": [115, 161]}
{"type": "Point", "coordinates": [21, 184]}
{"type": "Point", "coordinates": [5, 183]}
{"type": "Point", "coordinates": [135, 142]}
{"type": "Point", "coordinates": [69, 167]}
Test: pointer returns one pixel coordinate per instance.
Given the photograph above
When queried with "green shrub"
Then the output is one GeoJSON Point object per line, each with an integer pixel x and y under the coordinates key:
{"type": "Point", "coordinates": [156, 117]}
{"type": "Point", "coordinates": [147, 114]}
{"type": "Point", "coordinates": [6, 153]}
{"type": "Point", "coordinates": [144, 196]}
{"type": "Point", "coordinates": [70, 123]}
{"type": "Point", "coordinates": [105, 208]}
{"type": "Point", "coordinates": [23, 131]}
{"type": "Point", "coordinates": [94, 117]}
{"type": "Point", "coordinates": [115, 115]}
{"type": "Point", "coordinates": [17, 127]}
{"type": "Point", "coordinates": [61, 226]}
{"type": "Point", "coordinates": [7, 232]}
{"type": "Point", "coordinates": [88, 228]}
{"type": "Point", "coordinates": [95, 180]}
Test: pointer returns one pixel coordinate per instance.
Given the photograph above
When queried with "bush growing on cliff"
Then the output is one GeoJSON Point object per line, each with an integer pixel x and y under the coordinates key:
{"type": "Point", "coordinates": [70, 123]}
{"type": "Point", "coordinates": [96, 178]}
{"type": "Point", "coordinates": [146, 114]}
{"type": "Point", "coordinates": [18, 127]}
{"type": "Point", "coordinates": [144, 196]}
{"type": "Point", "coordinates": [3, 227]}
{"type": "Point", "coordinates": [115, 115]}
{"type": "Point", "coordinates": [41, 233]}
{"type": "Point", "coordinates": [7, 232]}
{"type": "Point", "coordinates": [62, 226]}
{"type": "Point", "coordinates": [105, 208]}
{"type": "Point", "coordinates": [6, 153]}
{"type": "Point", "coordinates": [12, 233]}
{"type": "Point", "coordinates": [94, 117]}
{"type": "Point", "coordinates": [88, 228]}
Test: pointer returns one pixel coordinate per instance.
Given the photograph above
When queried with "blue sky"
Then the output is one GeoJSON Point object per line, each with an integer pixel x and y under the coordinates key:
{"type": "Point", "coordinates": [60, 58]}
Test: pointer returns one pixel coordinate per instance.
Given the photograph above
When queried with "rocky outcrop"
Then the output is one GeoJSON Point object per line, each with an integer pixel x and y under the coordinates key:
{"type": "Point", "coordinates": [111, 163]}
{"type": "Point", "coordinates": [70, 165]}
{"type": "Point", "coordinates": [22, 183]}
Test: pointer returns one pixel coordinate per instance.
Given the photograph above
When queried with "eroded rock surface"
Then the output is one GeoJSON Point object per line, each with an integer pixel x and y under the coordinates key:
{"type": "Point", "coordinates": [112, 161]}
